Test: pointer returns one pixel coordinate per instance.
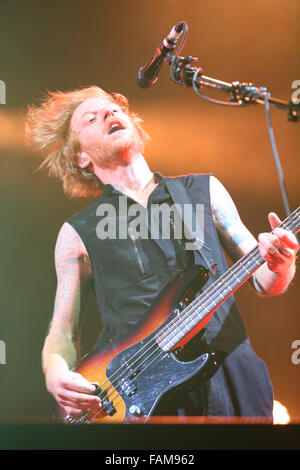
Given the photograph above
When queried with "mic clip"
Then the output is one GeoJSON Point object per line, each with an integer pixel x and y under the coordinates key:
{"type": "Point", "coordinates": [183, 70]}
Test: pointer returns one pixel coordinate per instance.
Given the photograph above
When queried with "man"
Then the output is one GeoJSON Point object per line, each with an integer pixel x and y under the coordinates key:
{"type": "Point", "coordinates": [95, 145]}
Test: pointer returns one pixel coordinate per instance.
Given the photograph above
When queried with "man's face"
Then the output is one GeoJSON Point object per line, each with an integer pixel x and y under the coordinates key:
{"type": "Point", "coordinates": [105, 132]}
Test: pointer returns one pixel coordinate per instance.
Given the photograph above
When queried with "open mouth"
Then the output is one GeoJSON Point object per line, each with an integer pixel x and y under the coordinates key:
{"type": "Point", "coordinates": [115, 126]}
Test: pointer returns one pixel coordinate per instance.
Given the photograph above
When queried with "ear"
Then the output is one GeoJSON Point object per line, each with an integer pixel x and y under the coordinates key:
{"type": "Point", "coordinates": [83, 160]}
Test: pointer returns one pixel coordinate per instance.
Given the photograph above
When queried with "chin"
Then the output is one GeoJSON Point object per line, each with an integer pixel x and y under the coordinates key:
{"type": "Point", "coordinates": [121, 152]}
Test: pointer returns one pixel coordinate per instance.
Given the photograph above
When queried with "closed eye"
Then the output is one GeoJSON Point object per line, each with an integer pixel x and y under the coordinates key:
{"type": "Point", "coordinates": [89, 118]}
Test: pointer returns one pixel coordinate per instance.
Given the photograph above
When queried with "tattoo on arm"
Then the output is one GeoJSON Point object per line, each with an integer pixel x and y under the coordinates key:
{"type": "Point", "coordinates": [73, 281]}
{"type": "Point", "coordinates": [234, 236]}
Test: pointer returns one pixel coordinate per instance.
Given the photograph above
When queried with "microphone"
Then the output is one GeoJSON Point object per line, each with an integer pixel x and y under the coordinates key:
{"type": "Point", "coordinates": [148, 74]}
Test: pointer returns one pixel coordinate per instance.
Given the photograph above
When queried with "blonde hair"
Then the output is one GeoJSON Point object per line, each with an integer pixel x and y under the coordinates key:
{"type": "Point", "coordinates": [48, 131]}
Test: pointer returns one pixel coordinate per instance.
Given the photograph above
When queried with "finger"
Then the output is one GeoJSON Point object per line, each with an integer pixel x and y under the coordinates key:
{"type": "Point", "coordinates": [287, 238]}
{"type": "Point", "coordinates": [70, 404]}
{"type": "Point", "coordinates": [81, 399]}
{"type": "Point", "coordinates": [274, 261]}
{"type": "Point", "coordinates": [274, 256]}
{"type": "Point", "coordinates": [78, 383]}
{"type": "Point", "coordinates": [277, 245]}
{"type": "Point", "coordinates": [273, 220]}
{"type": "Point", "coordinates": [272, 242]}
{"type": "Point", "coordinates": [70, 410]}
{"type": "Point", "coordinates": [83, 406]}
{"type": "Point", "coordinates": [268, 242]}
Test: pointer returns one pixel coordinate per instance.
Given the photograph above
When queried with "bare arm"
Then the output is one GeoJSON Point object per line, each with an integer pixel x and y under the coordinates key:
{"type": "Point", "coordinates": [274, 276]}
{"type": "Point", "coordinates": [59, 355]}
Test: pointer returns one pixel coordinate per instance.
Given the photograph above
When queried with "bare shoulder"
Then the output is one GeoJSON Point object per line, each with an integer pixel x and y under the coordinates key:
{"type": "Point", "coordinates": [70, 250]}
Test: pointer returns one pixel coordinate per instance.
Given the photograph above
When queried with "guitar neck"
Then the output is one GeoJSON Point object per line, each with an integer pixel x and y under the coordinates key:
{"type": "Point", "coordinates": [208, 302]}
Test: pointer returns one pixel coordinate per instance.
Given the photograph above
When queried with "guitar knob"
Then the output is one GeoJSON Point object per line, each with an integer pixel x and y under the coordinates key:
{"type": "Point", "coordinates": [135, 410]}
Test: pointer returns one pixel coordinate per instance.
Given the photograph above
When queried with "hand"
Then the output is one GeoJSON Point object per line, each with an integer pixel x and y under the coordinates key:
{"type": "Point", "coordinates": [73, 392]}
{"type": "Point", "coordinates": [279, 248]}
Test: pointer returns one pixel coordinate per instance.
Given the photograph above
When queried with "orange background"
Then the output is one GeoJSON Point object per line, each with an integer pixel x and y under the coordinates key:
{"type": "Point", "coordinates": [64, 45]}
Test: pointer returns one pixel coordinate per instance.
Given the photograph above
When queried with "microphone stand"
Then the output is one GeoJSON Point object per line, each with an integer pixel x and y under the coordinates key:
{"type": "Point", "coordinates": [183, 72]}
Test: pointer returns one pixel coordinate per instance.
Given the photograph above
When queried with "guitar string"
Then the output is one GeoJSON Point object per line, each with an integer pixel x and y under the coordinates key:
{"type": "Point", "coordinates": [164, 333]}
{"type": "Point", "coordinates": [111, 385]}
{"type": "Point", "coordinates": [170, 328]}
{"type": "Point", "coordinates": [185, 318]}
{"type": "Point", "coordinates": [191, 306]}
{"type": "Point", "coordinates": [235, 272]}
{"type": "Point", "coordinates": [147, 344]}
{"type": "Point", "coordinates": [165, 330]}
{"type": "Point", "coordinates": [158, 350]}
{"type": "Point", "coordinates": [205, 294]}
{"type": "Point", "coordinates": [163, 351]}
{"type": "Point", "coordinates": [86, 414]}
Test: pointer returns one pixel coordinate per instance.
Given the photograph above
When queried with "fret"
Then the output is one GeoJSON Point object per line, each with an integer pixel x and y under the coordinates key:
{"type": "Point", "coordinates": [246, 269]}
{"type": "Point", "coordinates": [228, 286]}
{"type": "Point", "coordinates": [258, 264]}
{"type": "Point", "coordinates": [284, 226]}
{"type": "Point", "coordinates": [174, 335]}
{"type": "Point", "coordinates": [243, 274]}
{"type": "Point", "coordinates": [236, 277]}
{"type": "Point", "coordinates": [191, 318]}
{"type": "Point", "coordinates": [186, 328]}
{"type": "Point", "coordinates": [227, 289]}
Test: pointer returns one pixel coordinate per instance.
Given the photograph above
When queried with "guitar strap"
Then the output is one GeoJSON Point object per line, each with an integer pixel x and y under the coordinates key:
{"type": "Point", "coordinates": [181, 197]}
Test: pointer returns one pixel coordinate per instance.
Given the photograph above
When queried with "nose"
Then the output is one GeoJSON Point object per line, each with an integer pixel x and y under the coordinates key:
{"type": "Point", "coordinates": [108, 113]}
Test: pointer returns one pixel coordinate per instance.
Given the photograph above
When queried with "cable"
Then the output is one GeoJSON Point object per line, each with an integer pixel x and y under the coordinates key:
{"type": "Point", "coordinates": [211, 100]}
{"type": "Point", "coordinates": [183, 41]}
{"type": "Point", "coordinates": [275, 154]}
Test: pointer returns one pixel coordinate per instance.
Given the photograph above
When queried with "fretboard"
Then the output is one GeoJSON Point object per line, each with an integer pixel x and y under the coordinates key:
{"type": "Point", "coordinates": [207, 302]}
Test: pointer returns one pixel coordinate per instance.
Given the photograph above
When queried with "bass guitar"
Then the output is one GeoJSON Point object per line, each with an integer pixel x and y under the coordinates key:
{"type": "Point", "coordinates": [142, 368]}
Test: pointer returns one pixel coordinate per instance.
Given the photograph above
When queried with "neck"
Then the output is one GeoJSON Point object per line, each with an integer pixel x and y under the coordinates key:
{"type": "Point", "coordinates": [129, 178]}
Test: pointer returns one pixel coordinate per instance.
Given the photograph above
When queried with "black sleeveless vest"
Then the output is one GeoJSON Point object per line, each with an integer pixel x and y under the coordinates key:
{"type": "Point", "coordinates": [129, 272]}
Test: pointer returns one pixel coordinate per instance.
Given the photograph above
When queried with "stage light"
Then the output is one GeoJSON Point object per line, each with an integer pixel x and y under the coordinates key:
{"type": "Point", "coordinates": [280, 413]}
